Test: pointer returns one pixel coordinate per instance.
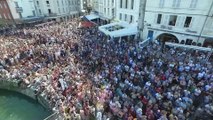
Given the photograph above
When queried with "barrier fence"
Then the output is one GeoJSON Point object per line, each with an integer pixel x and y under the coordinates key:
{"type": "Point", "coordinates": [189, 47]}
{"type": "Point", "coordinates": [54, 116]}
{"type": "Point", "coordinates": [144, 43]}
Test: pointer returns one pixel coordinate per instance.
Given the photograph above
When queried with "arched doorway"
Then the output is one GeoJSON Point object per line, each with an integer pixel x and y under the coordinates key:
{"type": "Point", "coordinates": [166, 37]}
{"type": "Point", "coordinates": [208, 42]}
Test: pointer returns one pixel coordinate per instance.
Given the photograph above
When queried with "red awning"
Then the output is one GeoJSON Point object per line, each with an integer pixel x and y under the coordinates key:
{"type": "Point", "coordinates": [86, 24]}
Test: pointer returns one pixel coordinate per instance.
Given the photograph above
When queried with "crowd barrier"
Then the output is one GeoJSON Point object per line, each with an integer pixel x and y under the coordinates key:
{"type": "Point", "coordinates": [189, 47]}
{"type": "Point", "coordinates": [144, 43]}
{"type": "Point", "coordinates": [54, 116]}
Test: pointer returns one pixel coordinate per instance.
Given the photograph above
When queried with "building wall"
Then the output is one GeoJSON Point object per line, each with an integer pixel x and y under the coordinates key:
{"type": "Point", "coordinates": [107, 8]}
{"type": "Point", "coordinates": [22, 8]}
{"type": "Point", "coordinates": [111, 9]}
{"type": "Point", "coordinates": [4, 10]}
{"type": "Point", "coordinates": [95, 5]}
{"type": "Point", "coordinates": [57, 8]}
{"type": "Point", "coordinates": [127, 10]}
{"type": "Point", "coordinates": [87, 3]}
{"type": "Point", "coordinates": [81, 5]}
{"type": "Point", "coordinates": [208, 28]}
{"type": "Point", "coordinates": [27, 6]}
{"type": "Point", "coordinates": [183, 10]}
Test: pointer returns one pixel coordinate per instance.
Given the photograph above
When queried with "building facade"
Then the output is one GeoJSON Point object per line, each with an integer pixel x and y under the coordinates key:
{"type": "Point", "coordinates": [106, 8]}
{"type": "Point", "coordinates": [22, 8]}
{"type": "Point", "coordinates": [87, 5]}
{"type": "Point", "coordinates": [187, 22]}
{"type": "Point", "coordinates": [5, 10]}
{"type": "Point", "coordinates": [128, 10]}
{"type": "Point", "coordinates": [57, 9]}
{"type": "Point", "coordinates": [117, 10]}
{"type": "Point", "coordinates": [95, 5]}
{"type": "Point", "coordinates": [207, 30]}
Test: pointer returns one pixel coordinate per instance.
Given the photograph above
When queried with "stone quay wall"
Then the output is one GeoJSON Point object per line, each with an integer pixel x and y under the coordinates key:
{"type": "Point", "coordinates": [13, 85]}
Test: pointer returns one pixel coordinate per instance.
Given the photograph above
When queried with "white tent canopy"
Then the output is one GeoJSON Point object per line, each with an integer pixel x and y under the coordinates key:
{"type": "Point", "coordinates": [92, 17]}
{"type": "Point", "coordinates": [126, 29]}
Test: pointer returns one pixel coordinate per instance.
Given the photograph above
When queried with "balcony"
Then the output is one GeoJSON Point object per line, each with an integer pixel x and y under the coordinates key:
{"type": "Point", "coordinates": [51, 14]}
{"type": "Point", "coordinates": [166, 27]}
{"type": "Point", "coordinates": [190, 31]}
{"type": "Point", "coordinates": [163, 26]}
{"type": "Point", "coordinates": [19, 9]}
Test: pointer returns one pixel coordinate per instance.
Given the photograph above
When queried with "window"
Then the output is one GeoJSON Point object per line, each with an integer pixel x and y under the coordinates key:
{"type": "Point", "coordinates": [20, 15]}
{"type": "Point", "coordinates": [57, 3]}
{"type": "Point", "coordinates": [176, 3]}
{"type": "Point", "coordinates": [125, 17]}
{"type": "Point", "coordinates": [131, 19]}
{"type": "Point", "coordinates": [5, 17]}
{"type": "Point", "coordinates": [193, 4]}
{"type": "Point", "coordinates": [0, 5]}
{"type": "Point", "coordinates": [16, 4]}
{"type": "Point", "coordinates": [159, 18]}
{"type": "Point", "coordinates": [39, 11]}
{"type": "Point", "coordinates": [126, 4]}
{"type": "Point", "coordinates": [187, 21]}
{"type": "Point", "coordinates": [0, 16]}
{"type": "Point", "coordinates": [34, 14]}
{"type": "Point", "coordinates": [172, 20]}
{"type": "Point", "coordinates": [37, 2]}
{"type": "Point", "coordinates": [121, 2]}
{"type": "Point", "coordinates": [5, 5]}
{"type": "Point", "coordinates": [49, 11]}
{"type": "Point", "coordinates": [8, 16]}
{"type": "Point", "coordinates": [132, 5]}
{"type": "Point", "coordinates": [113, 12]}
{"type": "Point", "coordinates": [161, 4]}
{"type": "Point", "coordinates": [63, 10]}
{"type": "Point", "coordinates": [59, 11]}
{"type": "Point", "coordinates": [188, 42]}
{"type": "Point", "coordinates": [120, 16]}
{"type": "Point", "coordinates": [104, 10]}
{"type": "Point", "coordinates": [47, 2]}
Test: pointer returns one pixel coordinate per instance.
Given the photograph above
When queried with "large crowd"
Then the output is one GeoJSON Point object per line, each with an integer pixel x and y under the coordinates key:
{"type": "Point", "coordinates": [85, 75]}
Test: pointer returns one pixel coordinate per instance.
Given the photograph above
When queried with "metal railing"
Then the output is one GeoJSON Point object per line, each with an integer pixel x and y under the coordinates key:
{"type": "Point", "coordinates": [54, 116]}
{"type": "Point", "coordinates": [189, 46]}
{"type": "Point", "coordinates": [144, 43]}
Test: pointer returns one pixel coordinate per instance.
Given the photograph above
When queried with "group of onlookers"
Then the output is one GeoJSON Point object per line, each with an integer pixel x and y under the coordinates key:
{"type": "Point", "coordinates": [85, 74]}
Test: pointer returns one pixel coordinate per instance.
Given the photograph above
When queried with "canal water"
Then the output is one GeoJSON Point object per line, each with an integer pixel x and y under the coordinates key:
{"type": "Point", "coordinates": [15, 106]}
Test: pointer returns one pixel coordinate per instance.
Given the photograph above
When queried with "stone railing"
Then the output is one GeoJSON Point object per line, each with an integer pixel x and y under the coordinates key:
{"type": "Point", "coordinates": [13, 85]}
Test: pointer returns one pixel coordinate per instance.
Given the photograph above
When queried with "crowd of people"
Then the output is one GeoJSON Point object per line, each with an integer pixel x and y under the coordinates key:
{"type": "Point", "coordinates": [85, 75]}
